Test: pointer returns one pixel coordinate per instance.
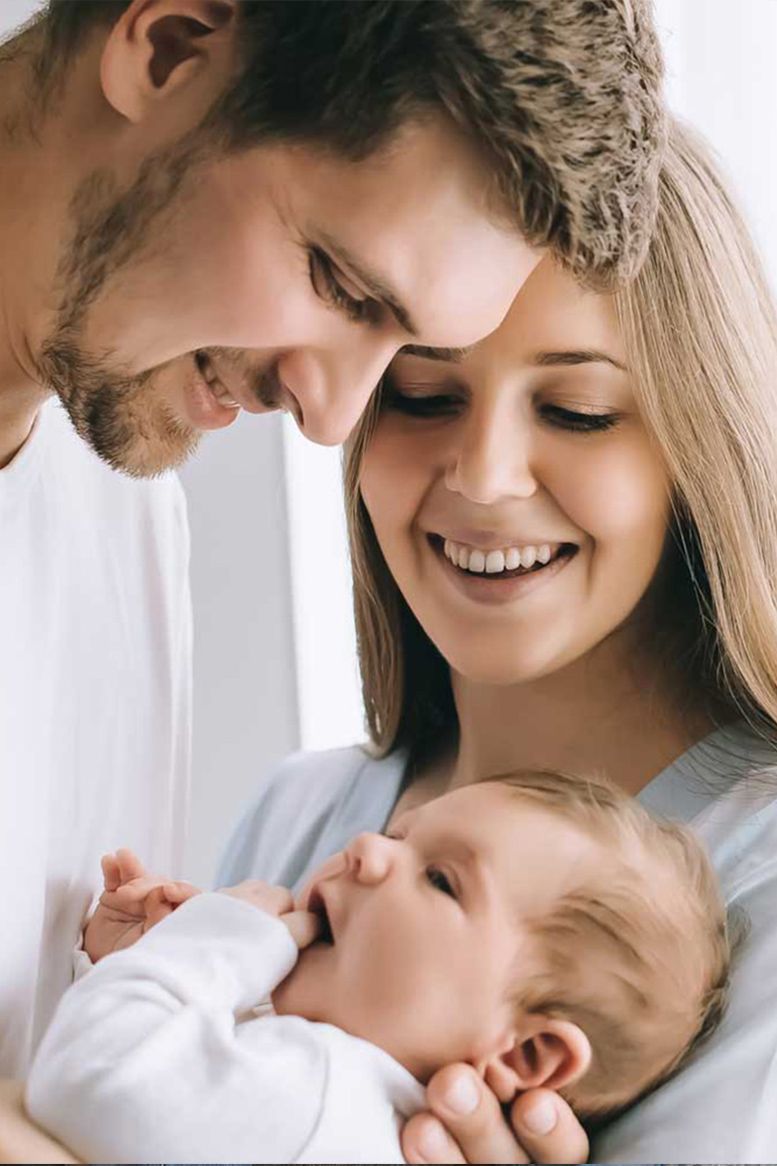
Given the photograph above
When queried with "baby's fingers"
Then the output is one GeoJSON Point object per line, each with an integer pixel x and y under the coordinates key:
{"type": "Point", "coordinates": [156, 907]}
{"type": "Point", "coordinates": [130, 866]}
{"type": "Point", "coordinates": [304, 926]}
{"type": "Point", "coordinates": [111, 875]}
{"type": "Point", "coordinates": [179, 892]}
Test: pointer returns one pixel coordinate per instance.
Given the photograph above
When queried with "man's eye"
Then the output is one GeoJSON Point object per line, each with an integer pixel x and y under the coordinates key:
{"type": "Point", "coordinates": [429, 405]}
{"type": "Point", "coordinates": [440, 881]}
{"type": "Point", "coordinates": [328, 288]}
{"type": "Point", "coordinates": [579, 422]}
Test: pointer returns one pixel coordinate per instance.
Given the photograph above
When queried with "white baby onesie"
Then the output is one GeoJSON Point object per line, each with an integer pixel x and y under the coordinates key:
{"type": "Point", "coordinates": [158, 1055]}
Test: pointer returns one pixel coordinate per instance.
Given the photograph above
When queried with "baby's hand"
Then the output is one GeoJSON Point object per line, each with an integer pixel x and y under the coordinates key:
{"type": "Point", "coordinates": [304, 927]}
{"type": "Point", "coordinates": [133, 902]}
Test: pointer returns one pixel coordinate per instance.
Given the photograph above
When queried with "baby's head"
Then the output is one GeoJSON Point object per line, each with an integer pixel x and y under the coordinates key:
{"type": "Point", "coordinates": [545, 929]}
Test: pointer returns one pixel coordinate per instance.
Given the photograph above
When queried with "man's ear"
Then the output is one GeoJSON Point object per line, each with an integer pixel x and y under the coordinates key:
{"type": "Point", "coordinates": [157, 47]}
{"type": "Point", "coordinates": [542, 1051]}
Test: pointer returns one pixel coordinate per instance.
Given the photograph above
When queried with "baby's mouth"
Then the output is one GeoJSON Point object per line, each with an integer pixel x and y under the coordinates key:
{"type": "Point", "coordinates": [317, 906]}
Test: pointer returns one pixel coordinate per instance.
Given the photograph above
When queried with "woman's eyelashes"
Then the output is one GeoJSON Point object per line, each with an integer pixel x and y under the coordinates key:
{"type": "Point", "coordinates": [432, 405]}
{"type": "Point", "coordinates": [578, 422]}
{"type": "Point", "coordinates": [420, 405]}
{"type": "Point", "coordinates": [327, 286]}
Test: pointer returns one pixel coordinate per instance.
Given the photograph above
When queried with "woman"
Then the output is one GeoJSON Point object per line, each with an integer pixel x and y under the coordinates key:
{"type": "Point", "coordinates": [622, 449]}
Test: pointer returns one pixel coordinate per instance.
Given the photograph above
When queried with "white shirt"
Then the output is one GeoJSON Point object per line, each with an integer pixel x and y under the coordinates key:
{"type": "Point", "coordinates": [157, 1055]}
{"type": "Point", "coordinates": [95, 633]}
{"type": "Point", "coordinates": [722, 1107]}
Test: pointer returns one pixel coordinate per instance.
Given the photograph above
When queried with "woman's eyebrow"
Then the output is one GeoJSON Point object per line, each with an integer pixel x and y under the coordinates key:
{"type": "Point", "coordinates": [572, 356]}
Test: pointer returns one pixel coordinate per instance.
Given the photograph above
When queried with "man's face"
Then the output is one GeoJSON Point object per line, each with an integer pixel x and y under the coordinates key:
{"type": "Point", "coordinates": [275, 277]}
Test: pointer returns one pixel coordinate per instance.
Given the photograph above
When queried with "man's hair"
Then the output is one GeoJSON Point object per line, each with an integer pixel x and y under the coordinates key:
{"type": "Point", "coordinates": [561, 97]}
{"type": "Point", "coordinates": [637, 953]}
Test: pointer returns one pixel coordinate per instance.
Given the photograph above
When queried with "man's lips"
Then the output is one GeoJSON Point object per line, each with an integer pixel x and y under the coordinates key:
{"type": "Point", "coordinates": [257, 393]}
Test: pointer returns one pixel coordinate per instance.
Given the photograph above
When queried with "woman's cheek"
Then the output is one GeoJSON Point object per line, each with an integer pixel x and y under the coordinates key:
{"type": "Point", "coordinates": [615, 493]}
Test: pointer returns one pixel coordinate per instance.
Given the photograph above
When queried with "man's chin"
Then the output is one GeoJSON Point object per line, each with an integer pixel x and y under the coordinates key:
{"type": "Point", "coordinates": [137, 446]}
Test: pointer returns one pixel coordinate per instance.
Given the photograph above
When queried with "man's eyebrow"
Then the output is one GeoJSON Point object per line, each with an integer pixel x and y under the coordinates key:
{"type": "Point", "coordinates": [573, 356]}
{"type": "Point", "coordinates": [374, 284]}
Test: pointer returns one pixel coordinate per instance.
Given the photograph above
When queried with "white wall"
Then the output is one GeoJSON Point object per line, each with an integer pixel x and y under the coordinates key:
{"type": "Point", "coordinates": [245, 699]}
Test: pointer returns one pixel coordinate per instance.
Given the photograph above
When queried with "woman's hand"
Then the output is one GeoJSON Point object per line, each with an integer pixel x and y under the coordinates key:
{"type": "Point", "coordinates": [465, 1123]}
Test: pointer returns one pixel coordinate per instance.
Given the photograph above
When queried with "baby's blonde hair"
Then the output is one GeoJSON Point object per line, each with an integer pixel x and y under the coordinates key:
{"type": "Point", "coordinates": [637, 954]}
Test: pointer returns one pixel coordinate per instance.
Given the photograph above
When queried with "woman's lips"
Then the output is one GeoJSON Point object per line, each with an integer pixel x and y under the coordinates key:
{"type": "Point", "coordinates": [504, 586]}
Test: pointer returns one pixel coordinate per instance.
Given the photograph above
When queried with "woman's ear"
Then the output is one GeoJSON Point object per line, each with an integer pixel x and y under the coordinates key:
{"type": "Point", "coordinates": [543, 1051]}
{"type": "Point", "coordinates": [156, 47]}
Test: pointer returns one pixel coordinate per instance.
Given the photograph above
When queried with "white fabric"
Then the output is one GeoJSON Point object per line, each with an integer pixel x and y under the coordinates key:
{"type": "Point", "coordinates": [722, 1107]}
{"type": "Point", "coordinates": [95, 635]}
{"type": "Point", "coordinates": [154, 1056]}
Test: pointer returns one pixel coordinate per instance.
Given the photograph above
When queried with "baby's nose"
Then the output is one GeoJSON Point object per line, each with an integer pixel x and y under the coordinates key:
{"type": "Point", "coordinates": [369, 858]}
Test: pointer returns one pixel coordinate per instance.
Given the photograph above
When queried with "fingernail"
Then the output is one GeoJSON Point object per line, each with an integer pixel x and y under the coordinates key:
{"type": "Point", "coordinates": [463, 1095]}
{"type": "Point", "coordinates": [433, 1142]}
{"type": "Point", "coordinates": [541, 1118]}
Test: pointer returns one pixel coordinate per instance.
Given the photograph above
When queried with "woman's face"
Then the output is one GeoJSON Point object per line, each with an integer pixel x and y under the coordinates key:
{"type": "Point", "coordinates": [530, 449]}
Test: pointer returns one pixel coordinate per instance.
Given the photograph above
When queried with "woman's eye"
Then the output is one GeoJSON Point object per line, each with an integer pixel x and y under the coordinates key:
{"type": "Point", "coordinates": [428, 405]}
{"type": "Point", "coordinates": [578, 422]}
{"type": "Point", "coordinates": [440, 881]}
{"type": "Point", "coordinates": [329, 289]}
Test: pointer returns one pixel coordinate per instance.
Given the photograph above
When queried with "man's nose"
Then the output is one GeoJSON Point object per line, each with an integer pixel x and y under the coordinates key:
{"type": "Point", "coordinates": [492, 458]}
{"type": "Point", "coordinates": [332, 388]}
{"type": "Point", "coordinates": [369, 858]}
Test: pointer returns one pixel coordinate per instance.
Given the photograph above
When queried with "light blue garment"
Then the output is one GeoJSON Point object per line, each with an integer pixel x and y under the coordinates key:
{"type": "Point", "coordinates": [722, 1108]}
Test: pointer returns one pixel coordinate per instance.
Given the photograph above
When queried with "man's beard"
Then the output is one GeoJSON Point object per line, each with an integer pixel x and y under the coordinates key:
{"type": "Point", "coordinates": [124, 418]}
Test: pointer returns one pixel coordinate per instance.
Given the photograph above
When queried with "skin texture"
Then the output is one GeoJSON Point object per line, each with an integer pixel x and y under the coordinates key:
{"type": "Point", "coordinates": [484, 449]}
{"type": "Point", "coordinates": [569, 667]}
{"type": "Point", "coordinates": [431, 915]}
{"type": "Point", "coordinates": [136, 243]}
{"type": "Point", "coordinates": [197, 256]}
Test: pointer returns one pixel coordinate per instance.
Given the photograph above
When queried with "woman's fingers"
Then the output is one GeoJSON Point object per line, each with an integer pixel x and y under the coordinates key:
{"type": "Point", "coordinates": [472, 1117]}
{"type": "Point", "coordinates": [425, 1139]}
{"type": "Point", "coordinates": [548, 1129]}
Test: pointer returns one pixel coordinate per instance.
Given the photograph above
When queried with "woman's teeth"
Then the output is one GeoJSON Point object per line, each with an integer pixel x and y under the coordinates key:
{"type": "Point", "coordinates": [495, 562]}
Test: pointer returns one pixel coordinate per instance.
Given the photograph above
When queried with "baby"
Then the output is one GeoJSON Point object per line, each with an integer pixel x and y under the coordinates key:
{"type": "Point", "coordinates": [544, 929]}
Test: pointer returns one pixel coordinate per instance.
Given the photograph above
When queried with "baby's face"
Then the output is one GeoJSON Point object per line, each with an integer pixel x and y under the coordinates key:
{"type": "Point", "coordinates": [426, 925]}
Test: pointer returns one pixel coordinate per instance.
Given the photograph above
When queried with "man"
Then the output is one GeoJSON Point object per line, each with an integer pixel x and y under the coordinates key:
{"type": "Point", "coordinates": [209, 206]}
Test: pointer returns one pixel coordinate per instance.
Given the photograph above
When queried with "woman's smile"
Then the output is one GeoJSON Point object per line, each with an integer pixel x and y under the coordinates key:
{"type": "Point", "coordinates": [501, 575]}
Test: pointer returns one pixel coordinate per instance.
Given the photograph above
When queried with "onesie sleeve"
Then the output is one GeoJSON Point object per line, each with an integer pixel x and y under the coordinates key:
{"type": "Point", "coordinates": [154, 1055]}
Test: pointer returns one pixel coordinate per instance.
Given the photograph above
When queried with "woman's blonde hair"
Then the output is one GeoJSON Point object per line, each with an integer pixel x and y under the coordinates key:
{"type": "Point", "coordinates": [700, 333]}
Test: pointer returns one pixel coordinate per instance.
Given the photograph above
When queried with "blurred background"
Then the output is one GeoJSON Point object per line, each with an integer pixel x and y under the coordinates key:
{"type": "Point", "coordinates": [275, 666]}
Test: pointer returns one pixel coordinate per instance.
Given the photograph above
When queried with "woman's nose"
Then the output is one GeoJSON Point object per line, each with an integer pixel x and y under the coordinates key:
{"type": "Point", "coordinates": [369, 858]}
{"type": "Point", "coordinates": [492, 459]}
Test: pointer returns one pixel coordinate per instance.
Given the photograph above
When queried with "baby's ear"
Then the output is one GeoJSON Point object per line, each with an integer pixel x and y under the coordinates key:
{"type": "Point", "coordinates": [541, 1051]}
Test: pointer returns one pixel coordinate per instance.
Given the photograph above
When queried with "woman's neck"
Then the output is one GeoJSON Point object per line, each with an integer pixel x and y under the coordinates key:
{"type": "Point", "coordinates": [606, 713]}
